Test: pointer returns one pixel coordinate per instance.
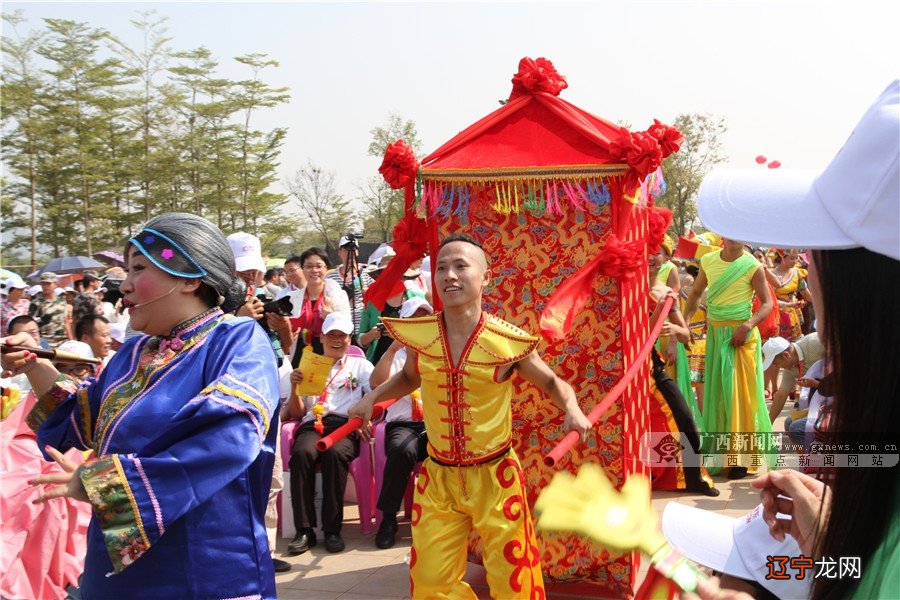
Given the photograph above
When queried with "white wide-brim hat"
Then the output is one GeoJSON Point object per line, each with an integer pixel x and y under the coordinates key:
{"type": "Point", "coordinates": [739, 547]}
{"type": "Point", "coordinates": [854, 202]}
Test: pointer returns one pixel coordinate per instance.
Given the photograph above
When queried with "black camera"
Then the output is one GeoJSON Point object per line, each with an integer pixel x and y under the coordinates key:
{"type": "Point", "coordinates": [352, 239]}
{"type": "Point", "coordinates": [282, 307]}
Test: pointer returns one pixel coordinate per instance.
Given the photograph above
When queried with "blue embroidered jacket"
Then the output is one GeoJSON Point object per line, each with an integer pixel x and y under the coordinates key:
{"type": "Point", "coordinates": [183, 429]}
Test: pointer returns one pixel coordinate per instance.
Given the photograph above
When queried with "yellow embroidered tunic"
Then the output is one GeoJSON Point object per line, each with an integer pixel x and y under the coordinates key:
{"type": "Point", "coordinates": [473, 479]}
{"type": "Point", "coordinates": [467, 410]}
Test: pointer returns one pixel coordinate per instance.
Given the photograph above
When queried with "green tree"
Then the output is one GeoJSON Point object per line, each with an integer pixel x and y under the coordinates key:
{"type": "Point", "coordinates": [258, 150]}
{"type": "Point", "coordinates": [86, 89]}
{"type": "Point", "coordinates": [204, 105]}
{"type": "Point", "coordinates": [329, 213]}
{"type": "Point", "coordinates": [383, 207]}
{"type": "Point", "coordinates": [148, 113]}
{"type": "Point", "coordinates": [99, 136]}
{"type": "Point", "coordinates": [684, 170]}
{"type": "Point", "coordinates": [20, 104]}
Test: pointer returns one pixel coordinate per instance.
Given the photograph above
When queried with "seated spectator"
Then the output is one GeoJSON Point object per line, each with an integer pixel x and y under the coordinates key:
{"type": "Point", "coordinates": [405, 440]}
{"type": "Point", "coordinates": [93, 330]}
{"type": "Point", "coordinates": [79, 371]}
{"type": "Point", "coordinates": [792, 359]}
{"type": "Point", "coordinates": [804, 425]}
{"type": "Point", "coordinates": [347, 382]}
{"type": "Point", "coordinates": [26, 324]}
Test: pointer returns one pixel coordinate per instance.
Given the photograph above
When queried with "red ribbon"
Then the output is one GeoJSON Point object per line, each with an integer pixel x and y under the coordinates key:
{"type": "Point", "coordinates": [658, 221]}
{"type": "Point", "coordinates": [571, 438]}
{"type": "Point", "coordinates": [536, 76]}
{"type": "Point", "coordinates": [410, 244]}
{"type": "Point", "coordinates": [399, 169]}
{"type": "Point", "coordinates": [616, 259]}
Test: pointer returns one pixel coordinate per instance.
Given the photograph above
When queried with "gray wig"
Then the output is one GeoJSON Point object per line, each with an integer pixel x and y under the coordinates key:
{"type": "Point", "coordinates": [209, 249]}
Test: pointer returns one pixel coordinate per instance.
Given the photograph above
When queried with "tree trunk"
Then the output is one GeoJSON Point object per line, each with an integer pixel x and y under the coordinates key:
{"type": "Point", "coordinates": [32, 179]}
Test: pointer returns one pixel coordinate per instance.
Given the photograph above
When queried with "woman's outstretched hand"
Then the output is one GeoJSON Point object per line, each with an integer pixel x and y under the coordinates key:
{"type": "Point", "coordinates": [67, 484]}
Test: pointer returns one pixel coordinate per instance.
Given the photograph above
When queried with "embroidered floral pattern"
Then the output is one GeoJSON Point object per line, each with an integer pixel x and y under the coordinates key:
{"type": "Point", "coordinates": [46, 404]}
{"type": "Point", "coordinates": [167, 253]}
{"type": "Point", "coordinates": [152, 366]}
{"type": "Point", "coordinates": [116, 511]}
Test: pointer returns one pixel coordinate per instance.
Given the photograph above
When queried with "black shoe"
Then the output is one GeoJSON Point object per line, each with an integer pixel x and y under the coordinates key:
{"type": "Point", "coordinates": [386, 531]}
{"type": "Point", "coordinates": [303, 541]}
{"type": "Point", "coordinates": [737, 472]}
{"type": "Point", "coordinates": [281, 566]}
{"type": "Point", "coordinates": [706, 490]}
{"type": "Point", "coordinates": [334, 542]}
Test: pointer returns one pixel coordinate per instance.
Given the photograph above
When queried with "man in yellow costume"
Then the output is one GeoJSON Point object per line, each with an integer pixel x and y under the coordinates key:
{"type": "Point", "coordinates": [463, 359]}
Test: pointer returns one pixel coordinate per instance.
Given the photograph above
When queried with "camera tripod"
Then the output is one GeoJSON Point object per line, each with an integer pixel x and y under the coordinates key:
{"type": "Point", "coordinates": [351, 268]}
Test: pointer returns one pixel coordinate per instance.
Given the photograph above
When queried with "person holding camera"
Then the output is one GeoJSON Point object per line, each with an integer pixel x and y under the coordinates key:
{"type": "Point", "coordinates": [374, 340]}
{"type": "Point", "coordinates": [349, 276]}
{"type": "Point", "coordinates": [249, 266]}
{"type": "Point", "coordinates": [259, 305]}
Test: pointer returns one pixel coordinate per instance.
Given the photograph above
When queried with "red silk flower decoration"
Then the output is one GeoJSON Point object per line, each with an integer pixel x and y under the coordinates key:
{"type": "Point", "coordinates": [639, 150]}
{"type": "Point", "coordinates": [399, 167]}
{"type": "Point", "coordinates": [409, 237]}
{"type": "Point", "coordinates": [410, 244]}
{"type": "Point", "coordinates": [669, 138]}
{"type": "Point", "coordinates": [658, 221]}
{"type": "Point", "coordinates": [537, 76]}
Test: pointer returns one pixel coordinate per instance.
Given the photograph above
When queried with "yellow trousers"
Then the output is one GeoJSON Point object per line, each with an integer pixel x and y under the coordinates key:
{"type": "Point", "coordinates": [490, 497]}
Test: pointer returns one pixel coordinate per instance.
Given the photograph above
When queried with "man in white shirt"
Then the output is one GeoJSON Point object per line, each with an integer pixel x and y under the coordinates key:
{"type": "Point", "coordinates": [405, 440]}
{"type": "Point", "coordinates": [792, 359]}
{"type": "Point", "coordinates": [347, 383]}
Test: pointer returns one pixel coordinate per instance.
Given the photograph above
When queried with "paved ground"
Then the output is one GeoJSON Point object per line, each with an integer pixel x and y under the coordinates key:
{"type": "Point", "coordinates": [363, 572]}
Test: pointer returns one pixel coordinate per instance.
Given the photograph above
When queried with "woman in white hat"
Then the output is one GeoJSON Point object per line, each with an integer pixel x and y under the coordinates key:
{"type": "Point", "coordinates": [850, 215]}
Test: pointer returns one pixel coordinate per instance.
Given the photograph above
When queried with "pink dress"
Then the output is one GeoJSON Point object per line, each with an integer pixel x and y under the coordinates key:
{"type": "Point", "coordinates": [43, 545]}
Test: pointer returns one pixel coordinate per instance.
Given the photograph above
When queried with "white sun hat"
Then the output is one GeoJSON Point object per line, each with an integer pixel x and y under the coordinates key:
{"type": "Point", "coordinates": [409, 307]}
{"type": "Point", "coordinates": [854, 202]}
{"type": "Point", "coordinates": [739, 547]}
{"type": "Point", "coordinates": [247, 252]}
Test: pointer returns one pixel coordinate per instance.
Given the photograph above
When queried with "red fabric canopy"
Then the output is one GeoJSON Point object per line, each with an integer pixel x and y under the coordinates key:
{"type": "Point", "coordinates": [533, 130]}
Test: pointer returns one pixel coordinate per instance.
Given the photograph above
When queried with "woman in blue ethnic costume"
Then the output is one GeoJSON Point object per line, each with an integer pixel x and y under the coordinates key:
{"type": "Point", "coordinates": [182, 422]}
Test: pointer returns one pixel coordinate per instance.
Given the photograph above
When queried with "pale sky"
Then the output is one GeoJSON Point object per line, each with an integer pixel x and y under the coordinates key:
{"type": "Point", "coordinates": [791, 79]}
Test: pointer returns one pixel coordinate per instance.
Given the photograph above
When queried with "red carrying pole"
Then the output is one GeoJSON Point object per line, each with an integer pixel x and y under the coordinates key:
{"type": "Point", "coordinates": [350, 426]}
{"type": "Point", "coordinates": [571, 438]}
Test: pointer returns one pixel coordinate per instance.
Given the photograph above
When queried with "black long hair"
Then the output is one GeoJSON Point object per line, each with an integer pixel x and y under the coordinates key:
{"type": "Point", "coordinates": [860, 328]}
